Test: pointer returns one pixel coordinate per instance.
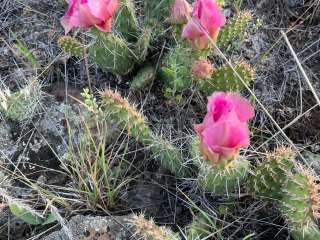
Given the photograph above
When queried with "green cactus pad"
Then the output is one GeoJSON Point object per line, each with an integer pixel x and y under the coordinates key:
{"type": "Point", "coordinates": [170, 157]}
{"type": "Point", "coordinates": [223, 179]}
{"type": "Point", "coordinates": [121, 112]}
{"type": "Point", "coordinates": [234, 28]}
{"type": "Point", "coordinates": [71, 46]}
{"type": "Point", "coordinates": [148, 230]}
{"type": "Point", "coordinates": [143, 78]}
{"type": "Point", "coordinates": [158, 10]}
{"type": "Point", "coordinates": [268, 179]}
{"type": "Point", "coordinates": [142, 45]}
{"type": "Point", "coordinates": [310, 232]}
{"type": "Point", "coordinates": [200, 228]}
{"type": "Point", "coordinates": [126, 22]}
{"type": "Point", "coordinates": [111, 53]}
{"type": "Point", "coordinates": [176, 69]}
{"type": "Point", "coordinates": [225, 79]}
{"type": "Point", "coordinates": [300, 201]}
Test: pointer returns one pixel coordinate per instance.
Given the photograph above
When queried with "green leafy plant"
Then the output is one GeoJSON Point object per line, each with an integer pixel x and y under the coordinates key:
{"type": "Point", "coordinates": [99, 175]}
{"type": "Point", "coordinates": [30, 216]}
{"type": "Point", "coordinates": [22, 105]}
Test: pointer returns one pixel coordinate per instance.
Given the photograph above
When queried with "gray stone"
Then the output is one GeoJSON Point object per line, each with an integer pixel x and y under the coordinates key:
{"type": "Point", "coordinates": [89, 228]}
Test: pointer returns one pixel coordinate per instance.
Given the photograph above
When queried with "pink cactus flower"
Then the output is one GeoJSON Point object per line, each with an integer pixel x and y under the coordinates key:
{"type": "Point", "coordinates": [206, 21]}
{"type": "Point", "coordinates": [180, 12]}
{"type": "Point", "coordinates": [201, 69]}
{"type": "Point", "coordinates": [224, 129]}
{"type": "Point", "coordinates": [88, 13]}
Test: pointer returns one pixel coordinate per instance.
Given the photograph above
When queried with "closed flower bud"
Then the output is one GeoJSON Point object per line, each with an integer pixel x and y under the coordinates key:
{"type": "Point", "coordinates": [224, 130]}
{"type": "Point", "coordinates": [202, 69]}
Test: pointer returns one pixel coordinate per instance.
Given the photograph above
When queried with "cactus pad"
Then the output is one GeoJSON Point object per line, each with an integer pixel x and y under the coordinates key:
{"type": "Point", "coordinates": [126, 22]}
{"type": "Point", "coordinates": [143, 78]}
{"type": "Point", "coordinates": [268, 178]}
{"type": "Point", "coordinates": [234, 28]}
{"type": "Point", "coordinates": [71, 46]}
{"type": "Point", "coordinates": [148, 230]}
{"type": "Point", "coordinates": [120, 111]}
{"type": "Point", "coordinates": [223, 179]}
{"type": "Point", "coordinates": [300, 202]}
{"type": "Point", "coordinates": [111, 53]}
{"type": "Point", "coordinates": [225, 79]}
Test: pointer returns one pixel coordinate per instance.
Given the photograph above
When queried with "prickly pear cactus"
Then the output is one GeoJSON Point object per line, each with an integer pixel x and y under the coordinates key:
{"type": "Point", "coordinates": [200, 227]}
{"type": "Point", "coordinates": [121, 112]}
{"type": "Point", "coordinates": [223, 179]}
{"type": "Point", "coordinates": [269, 178]}
{"type": "Point", "coordinates": [157, 11]}
{"type": "Point", "coordinates": [234, 28]}
{"type": "Point", "coordinates": [226, 79]}
{"type": "Point", "coordinates": [300, 204]}
{"type": "Point", "coordinates": [310, 232]}
{"type": "Point", "coordinates": [143, 78]}
{"type": "Point", "coordinates": [148, 230]}
{"type": "Point", "coordinates": [126, 22]}
{"type": "Point", "coordinates": [71, 46]}
{"type": "Point", "coordinates": [111, 53]}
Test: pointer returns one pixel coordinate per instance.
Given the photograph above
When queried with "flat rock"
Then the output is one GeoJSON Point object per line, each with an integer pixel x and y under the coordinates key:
{"type": "Point", "coordinates": [94, 228]}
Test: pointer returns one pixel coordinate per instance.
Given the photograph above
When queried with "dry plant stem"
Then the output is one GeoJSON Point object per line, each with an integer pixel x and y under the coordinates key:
{"type": "Point", "coordinates": [301, 68]}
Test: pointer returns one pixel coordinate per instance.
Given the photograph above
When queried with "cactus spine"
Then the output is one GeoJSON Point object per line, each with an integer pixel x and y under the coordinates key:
{"type": "Point", "coordinates": [223, 179]}
{"type": "Point", "coordinates": [143, 78]}
{"type": "Point", "coordinates": [219, 178]}
{"type": "Point", "coordinates": [148, 230]}
{"type": "Point", "coordinates": [268, 179]}
{"type": "Point", "coordinates": [234, 28]}
{"type": "Point", "coordinates": [120, 111]}
{"type": "Point", "coordinates": [300, 205]}
{"type": "Point", "coordinates": [71, 46]}
{"type": "Point", "coordinates": [126, 22]}
{"type": "Point", "coordinates": [111, 53]}
{"type": "Point", "coordinates": [225, 78]}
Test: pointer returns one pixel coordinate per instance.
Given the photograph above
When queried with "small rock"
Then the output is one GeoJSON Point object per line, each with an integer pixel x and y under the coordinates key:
{"type": "Point", "coordinates": [90, 228]}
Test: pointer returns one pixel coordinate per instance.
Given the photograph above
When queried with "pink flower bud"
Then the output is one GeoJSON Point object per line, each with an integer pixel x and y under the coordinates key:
{"type": "Point", "coordinates": [201, 69]}
{"type": "Point", "coordinates": [88, 13]}
{"type": "Point", "coordinates": [180, 12]}
{"type": "Point", "coordinates": [224, 129]}
{"type": "Point", "coordinates": [206, 21]}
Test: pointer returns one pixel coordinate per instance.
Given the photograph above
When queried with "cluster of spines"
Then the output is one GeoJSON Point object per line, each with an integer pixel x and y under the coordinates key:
{"type": "Point", "coordinates": [148, 230]}
{"type": "Point", "coordinates": [269, 177]}
{"type": "Point", "coordinates": [111, 53]}
{"type": "Point", "coordinates": [227, 78]}
{"type": "Point", "coordinates": [300, 205]}
{"type": "Point", "coordinates": [143, 78]}
{"type": "Point", "coordinates": [71, 46]}
{"type": "Point", "coordinates": [200, 227]}
{"type": "Point", "coordinates": [122, 112]}
{"type": "Point", "coordinates": [223, 179]}
{"type": "Point", "coordinates": [234, 28]}
{"type": "Point", "coordinates": [126, 22]}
